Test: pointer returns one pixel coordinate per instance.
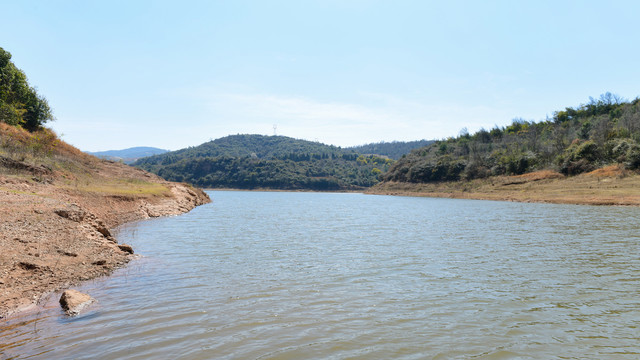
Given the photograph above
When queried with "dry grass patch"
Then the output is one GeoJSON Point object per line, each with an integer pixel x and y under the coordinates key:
{"type": "Point", "coordinates": [126, 188]}
{"type": "Point", "coordinates": [609, 171]}
{"type": "Point", "coordinates": [539, 175]}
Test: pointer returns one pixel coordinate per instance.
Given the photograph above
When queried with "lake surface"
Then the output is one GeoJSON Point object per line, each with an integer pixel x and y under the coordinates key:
{"type": "Point", "coordinates": [277, 275]}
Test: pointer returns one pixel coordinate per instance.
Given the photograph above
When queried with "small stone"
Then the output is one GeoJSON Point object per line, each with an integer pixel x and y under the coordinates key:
{"type": "Point", "coordinates": [126, 248]}
{"type": "Point", "coordinates": [73, 301]}
{"type": "Point", "coordinates": [100, 262]}
{"type": "Point", "coordinates": [67, 253]}
{"type": "Point", "coordinates": [28, 266]}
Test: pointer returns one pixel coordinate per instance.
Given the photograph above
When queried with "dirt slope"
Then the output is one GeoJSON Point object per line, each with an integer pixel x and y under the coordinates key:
{"type": "Point", "coordinates": [57, 208]}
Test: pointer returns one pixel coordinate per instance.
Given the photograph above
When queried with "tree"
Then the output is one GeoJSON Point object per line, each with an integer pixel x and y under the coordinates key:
{"type": "Point", "coordinates": [20, 104]}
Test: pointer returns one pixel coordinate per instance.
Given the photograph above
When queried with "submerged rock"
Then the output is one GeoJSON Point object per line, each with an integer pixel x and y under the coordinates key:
{"type": "Point", "coordinates": [73, 301]}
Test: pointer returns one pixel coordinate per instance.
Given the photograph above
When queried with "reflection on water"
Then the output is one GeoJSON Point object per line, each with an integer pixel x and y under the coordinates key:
{"type": "Point", "coordinates": [306, 275]}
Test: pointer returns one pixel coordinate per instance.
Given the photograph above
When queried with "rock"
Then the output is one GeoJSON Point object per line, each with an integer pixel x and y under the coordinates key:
{"type": "Point", "coordinates": [102, 228]}
{"type": "Point", "coordinates": [73, 301]}
{"type": "Point", "coordinates": [100, 262]}
{"type": "Point", "coordinates": [67, 253]}
{"type": "Point", "coordinates": [28, 266]}
{"type": "Point", "coordinates": [74, 213]}
{"type": "Point", "coordinates": [126, 248]}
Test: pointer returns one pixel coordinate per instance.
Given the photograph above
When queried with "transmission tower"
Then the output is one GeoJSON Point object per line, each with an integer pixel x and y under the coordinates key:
{"type": "Point", "coordinates": [275, 127]}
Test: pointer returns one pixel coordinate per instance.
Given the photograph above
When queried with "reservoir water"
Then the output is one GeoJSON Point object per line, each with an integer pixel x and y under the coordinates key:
{"type": "Point", "coordinates": [278, 275]}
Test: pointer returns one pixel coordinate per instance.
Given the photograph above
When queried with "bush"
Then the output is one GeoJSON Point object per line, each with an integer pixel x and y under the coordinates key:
{"type": "Point", "coordinates": [476, 170]}
{"type": "Point", "coordinates": [633, 157]}
{"type": "Point", "coordinates": [579, 157]}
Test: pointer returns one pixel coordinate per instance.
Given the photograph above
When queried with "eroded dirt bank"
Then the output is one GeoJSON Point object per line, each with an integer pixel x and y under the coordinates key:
{"type": "Point", "coordinates": [55, 226]}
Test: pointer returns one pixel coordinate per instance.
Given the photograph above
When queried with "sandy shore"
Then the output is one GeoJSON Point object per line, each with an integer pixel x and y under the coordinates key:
{"type": "Point", "coordinates": [56, 231]}
{"type": "Point", "coordinates": [608, 186]}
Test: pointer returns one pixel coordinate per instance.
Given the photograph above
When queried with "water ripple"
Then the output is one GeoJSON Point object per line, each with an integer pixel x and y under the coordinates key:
{"type": "Point", "coordinates": [336, 276]}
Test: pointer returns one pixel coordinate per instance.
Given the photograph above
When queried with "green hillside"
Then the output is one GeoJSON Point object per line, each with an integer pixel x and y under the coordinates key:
{"type": "Point", "coordinates": [603, 131]}
{"type": "Point", "coordinates": [393, 150]}
{"type": "Point", "coordinates": [270, 162]}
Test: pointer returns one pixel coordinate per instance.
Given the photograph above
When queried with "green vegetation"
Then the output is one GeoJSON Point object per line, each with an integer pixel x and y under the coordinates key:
{"type": "Point", "coordinates": [273, 162]}
{"type": "Point", "coordinates": [393, 150]}
{"type": "Point", "coordinates": [20, 104]}
{"type": "Point", "coordinates": [601, 132]}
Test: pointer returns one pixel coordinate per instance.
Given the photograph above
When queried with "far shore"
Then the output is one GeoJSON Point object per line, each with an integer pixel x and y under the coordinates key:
{"type": "Point", "coordinates": [287, 190]}
{"type": "Point", "coordinates": [607, 186]}
{"type": "Point", "coordinates": [611, 185]}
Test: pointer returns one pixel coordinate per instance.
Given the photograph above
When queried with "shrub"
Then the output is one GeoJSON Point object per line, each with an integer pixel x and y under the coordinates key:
{"type": "Point", "coordinates": [579, 157]}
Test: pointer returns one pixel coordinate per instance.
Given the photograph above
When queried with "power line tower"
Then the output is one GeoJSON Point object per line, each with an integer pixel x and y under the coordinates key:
{"type": "Point", "coordinates": [275, 127]}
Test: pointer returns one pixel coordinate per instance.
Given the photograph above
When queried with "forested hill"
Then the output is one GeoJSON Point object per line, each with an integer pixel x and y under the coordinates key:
{"type": "Point", "coordinates": [273, 162]}
{"type": "Point", "coordinates": [601, 132]}
{"type": "Point", "coordinates": [394, 149]}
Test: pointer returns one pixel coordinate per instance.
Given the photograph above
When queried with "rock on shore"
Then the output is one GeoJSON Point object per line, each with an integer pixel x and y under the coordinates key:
{"type": "Point", "coordinates": [73, 301]}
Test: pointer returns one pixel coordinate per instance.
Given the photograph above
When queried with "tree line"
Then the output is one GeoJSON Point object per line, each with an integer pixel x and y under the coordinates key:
{"type": "Point", "coordinates": [602, 131]}
{"type": "Point", "coordinates": [393, 150]}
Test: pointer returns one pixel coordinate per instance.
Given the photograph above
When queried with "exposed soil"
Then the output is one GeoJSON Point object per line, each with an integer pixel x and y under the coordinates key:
{"type": "Point", "coordinates": [55, 226]}
{"type": "Point", "coordinates": [611, 185]}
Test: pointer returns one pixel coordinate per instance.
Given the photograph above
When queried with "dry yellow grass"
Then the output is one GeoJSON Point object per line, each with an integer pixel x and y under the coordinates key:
{"type": "Point", "coordinates": [73, 169]}
{"type": "Point", "coordinates": [610, 171]}
{"type": "Point", "coordinates": [120, 188]}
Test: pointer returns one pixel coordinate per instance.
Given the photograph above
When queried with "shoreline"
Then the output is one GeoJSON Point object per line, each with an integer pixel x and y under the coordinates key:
{"type": "Point", "coordinates": [54, 236]}
{"type": "Point", "coordinates": [611, 186]}
{"type": "Point", "coordinates": [286, 190]}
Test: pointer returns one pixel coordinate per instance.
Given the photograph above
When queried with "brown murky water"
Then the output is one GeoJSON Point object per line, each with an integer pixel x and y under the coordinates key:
{"type": "Point", "coordinates": [349, 276]}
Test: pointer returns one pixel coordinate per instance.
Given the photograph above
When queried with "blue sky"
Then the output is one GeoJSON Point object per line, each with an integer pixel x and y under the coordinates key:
{"type": "Point", "coordinates": [173, 74]}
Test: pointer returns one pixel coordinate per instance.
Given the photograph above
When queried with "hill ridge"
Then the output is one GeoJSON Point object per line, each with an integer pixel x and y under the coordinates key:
{"type": "Point", "coordinates": [249, 161]}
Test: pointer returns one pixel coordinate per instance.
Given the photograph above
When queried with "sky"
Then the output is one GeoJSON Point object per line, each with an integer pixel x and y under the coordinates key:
{"type": "Point", "coordinates": [174, 74]}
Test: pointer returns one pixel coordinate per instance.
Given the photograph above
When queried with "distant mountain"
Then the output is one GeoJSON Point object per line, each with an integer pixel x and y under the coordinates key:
{"type": "Point", "coordinates": [394, 149]}
{"type": "Point", "coordinates": [270, 162]}
{"type": "Point", "coordinates": [129, 155]}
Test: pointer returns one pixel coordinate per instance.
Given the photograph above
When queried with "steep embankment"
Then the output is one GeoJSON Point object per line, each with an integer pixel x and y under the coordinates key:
{"type": "Point", "coordinates": [57, 206]}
